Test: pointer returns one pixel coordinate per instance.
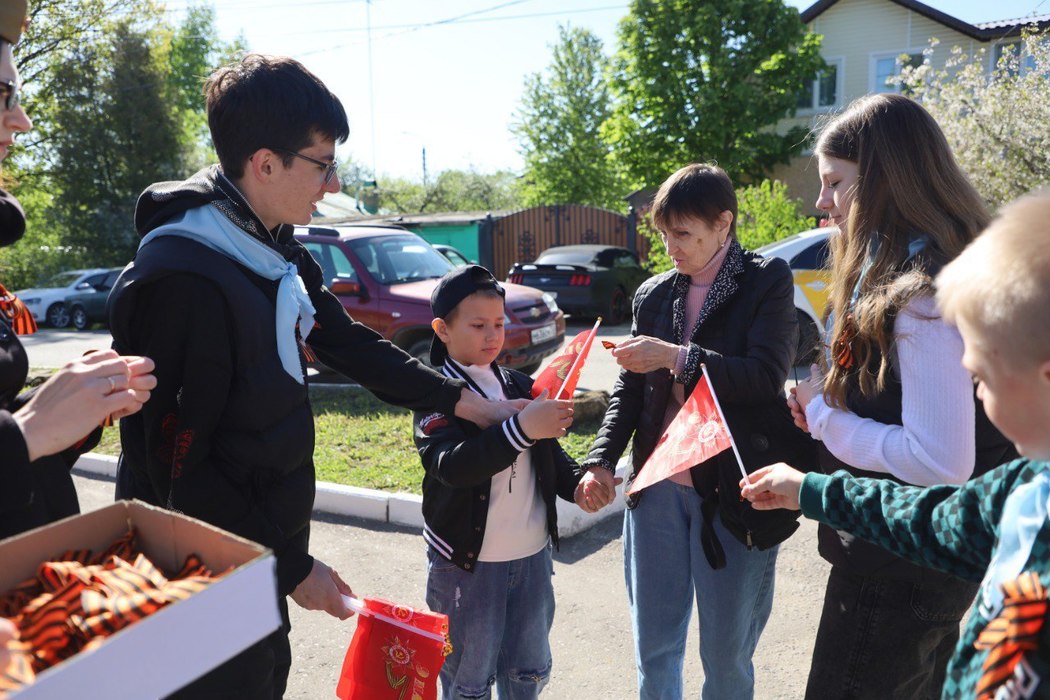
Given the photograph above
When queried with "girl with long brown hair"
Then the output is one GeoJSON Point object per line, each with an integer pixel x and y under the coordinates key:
{"type": "Point", "coordinates": [891, 398]}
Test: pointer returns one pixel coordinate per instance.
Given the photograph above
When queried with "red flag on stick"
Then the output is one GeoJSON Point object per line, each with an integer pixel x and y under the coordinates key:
{"type": "Point", "coordinates": [396, 652]}
{"type": "Point", "coordinates": [562, 374]}
{"type": "Point", "coordinates": [696, 434]}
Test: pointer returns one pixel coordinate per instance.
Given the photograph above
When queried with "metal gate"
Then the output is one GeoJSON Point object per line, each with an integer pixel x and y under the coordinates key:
{"type": "Point", "coordinates": [521, 236]}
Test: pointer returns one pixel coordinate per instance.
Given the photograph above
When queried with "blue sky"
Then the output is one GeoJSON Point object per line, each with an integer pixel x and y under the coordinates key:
{"type": "Point", "coordinates": [446, 75]}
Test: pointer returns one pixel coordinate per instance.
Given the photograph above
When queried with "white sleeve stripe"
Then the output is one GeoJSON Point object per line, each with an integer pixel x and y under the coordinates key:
{"type": "Point", "coordinates": [515, 435]}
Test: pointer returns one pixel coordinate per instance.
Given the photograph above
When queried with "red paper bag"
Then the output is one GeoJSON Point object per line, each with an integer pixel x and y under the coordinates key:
{"type": "Point", "coordinates": [396, 653]}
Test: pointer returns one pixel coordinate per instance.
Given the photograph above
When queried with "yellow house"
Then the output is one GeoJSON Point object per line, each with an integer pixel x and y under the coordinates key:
{"type": "Point", "coordinates": [864, 44]}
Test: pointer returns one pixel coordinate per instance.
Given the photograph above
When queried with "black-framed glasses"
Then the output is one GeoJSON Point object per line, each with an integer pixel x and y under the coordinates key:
{"type": "Point", "coordinates": [9, 90]}
{"type": "Point", "coordinates": [329, 168]}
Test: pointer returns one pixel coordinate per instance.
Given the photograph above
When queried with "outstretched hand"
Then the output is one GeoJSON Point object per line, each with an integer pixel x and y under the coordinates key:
{"type": "Point", "coordinates": [484, 413]}
{"type": "Point", "coordinates": [323, 589]}
{"type": "Point", "coordinates": [546, 418]}
{"type": "Point", "coordinates": [645, 354]}
{"type": "Point", "coordinates": [775, 486]}
{"type": "Point", "coordinates": [77, 398]}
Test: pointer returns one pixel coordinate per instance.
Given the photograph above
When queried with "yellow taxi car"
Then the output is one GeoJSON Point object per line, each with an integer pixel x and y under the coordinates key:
{"type": "Point", "coordinates": [807, 254]}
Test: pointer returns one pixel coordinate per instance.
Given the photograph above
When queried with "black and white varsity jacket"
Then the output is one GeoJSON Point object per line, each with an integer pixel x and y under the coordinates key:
{"type": "Point", "coordinates": [460, 459]}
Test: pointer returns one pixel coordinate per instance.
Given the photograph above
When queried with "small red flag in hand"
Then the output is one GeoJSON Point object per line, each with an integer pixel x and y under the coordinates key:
{"type": "Point", "coordinates": [695, 435]}
{"type": "Point", "coordinates": [608, 345]}
{"type": "Point", "coordinates": [396, 653]}
{"type": "Point", "coordinates": [563, 373]}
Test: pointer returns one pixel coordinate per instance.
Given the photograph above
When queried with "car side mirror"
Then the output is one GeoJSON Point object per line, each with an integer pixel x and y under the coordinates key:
{"type": "Point", "coordinates": [341, 287]}
{"type": "Point", "coordinates": [84, 286]}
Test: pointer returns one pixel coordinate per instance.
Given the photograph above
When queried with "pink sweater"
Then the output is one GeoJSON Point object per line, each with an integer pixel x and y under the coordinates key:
{"type": "Point", "coordinates": [699, 286]}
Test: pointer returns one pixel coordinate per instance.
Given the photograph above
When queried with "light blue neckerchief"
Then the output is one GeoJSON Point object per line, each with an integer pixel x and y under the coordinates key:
{"type": "Point", "coordinates": [1024, 515]}
{"type": "Point", "coordinates": [207, 225]}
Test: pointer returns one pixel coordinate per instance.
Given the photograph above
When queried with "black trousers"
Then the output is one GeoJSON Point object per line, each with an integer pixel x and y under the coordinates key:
{"type": "Point", "coordinates": [880, 639]}
{"type": "Point", "coordinates": [260, 672]}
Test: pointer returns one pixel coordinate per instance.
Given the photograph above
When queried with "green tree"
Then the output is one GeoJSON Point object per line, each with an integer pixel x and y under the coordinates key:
{"type": "Point", "coordinates": [452, 190]}
{"type": "Point", "coordinates": [114, 97]}
{"type": "Point", "coordinates": [558, 127]}
{"type": "Point", "coordinates": [695, 80]}
{"type": "Point", "coordinates": [766, 213]}
{"type": "Point", "coordinates": [116, 101]}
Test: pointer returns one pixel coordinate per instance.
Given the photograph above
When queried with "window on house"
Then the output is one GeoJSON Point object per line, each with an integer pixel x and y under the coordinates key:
{"type": "Point", "coordinates": [823, 91]}
{"type": "Point", "coordinates": [888, 66]}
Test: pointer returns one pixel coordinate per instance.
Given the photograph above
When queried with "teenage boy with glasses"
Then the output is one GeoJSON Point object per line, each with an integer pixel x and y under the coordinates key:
{"type": "Point", "coordinates": [224, 299]}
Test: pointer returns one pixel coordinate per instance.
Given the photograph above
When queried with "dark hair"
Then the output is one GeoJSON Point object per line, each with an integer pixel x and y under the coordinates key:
{"type": "Point", "coordinates": [697, 191]}
{"type": "Point", "coordinates": [269, 102]}
{"type": "Point", "coordinates": [909, 188]}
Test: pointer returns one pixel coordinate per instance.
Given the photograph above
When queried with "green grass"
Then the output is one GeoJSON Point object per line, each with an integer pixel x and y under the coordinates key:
{"type": "Point", "coordinates": [361, 441]}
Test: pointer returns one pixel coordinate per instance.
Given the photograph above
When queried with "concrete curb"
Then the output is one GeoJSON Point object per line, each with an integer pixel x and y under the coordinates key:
{"type": "Point", "coordinates": [396, 508]}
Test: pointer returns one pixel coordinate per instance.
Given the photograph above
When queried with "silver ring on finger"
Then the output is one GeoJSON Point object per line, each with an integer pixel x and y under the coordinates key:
{"type": "Point", "coordinates": [112, 384]}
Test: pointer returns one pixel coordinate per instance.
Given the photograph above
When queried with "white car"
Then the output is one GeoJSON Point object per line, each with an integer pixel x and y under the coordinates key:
{"type": "Point", "coordinates": [807, 254]}
{"type": "Point", "coordinates": [48, 301]}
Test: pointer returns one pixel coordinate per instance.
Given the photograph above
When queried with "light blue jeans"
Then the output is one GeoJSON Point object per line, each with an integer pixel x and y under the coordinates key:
{"type": "Point", "coordinates": [664, 565]}
{"type": "Point", "coordinates": [499, 620]}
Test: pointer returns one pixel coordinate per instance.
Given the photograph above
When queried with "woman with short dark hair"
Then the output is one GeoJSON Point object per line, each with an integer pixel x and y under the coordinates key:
{"type": "Point", "coordinates": [691, 535]}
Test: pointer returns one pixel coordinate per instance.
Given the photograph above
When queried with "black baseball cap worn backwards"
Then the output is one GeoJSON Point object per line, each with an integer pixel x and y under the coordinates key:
{"type": "Point", "coordinates": [453, 288]}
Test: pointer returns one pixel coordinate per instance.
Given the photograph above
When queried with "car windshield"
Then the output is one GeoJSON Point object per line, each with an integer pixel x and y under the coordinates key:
{"type": "Point", "coordinates": [565, 257]}
{"type": "Point", "coordinates": [400, 259]}
{"type": "Point", "coordinates": [62, 279]}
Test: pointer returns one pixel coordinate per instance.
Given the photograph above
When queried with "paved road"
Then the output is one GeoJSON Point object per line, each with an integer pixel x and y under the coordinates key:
{"type": "Point", "coordinates": [591, 639]}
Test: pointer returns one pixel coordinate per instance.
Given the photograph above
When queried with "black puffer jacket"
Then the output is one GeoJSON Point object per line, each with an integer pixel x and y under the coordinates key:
{"type": "Point", "coordinates": [227, 435]}
{"type": "Point", "coordinates": [746, 336]}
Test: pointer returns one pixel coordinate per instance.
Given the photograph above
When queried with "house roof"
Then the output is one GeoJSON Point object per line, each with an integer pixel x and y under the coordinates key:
{"type": "Point", "coordinates": [985, 31]}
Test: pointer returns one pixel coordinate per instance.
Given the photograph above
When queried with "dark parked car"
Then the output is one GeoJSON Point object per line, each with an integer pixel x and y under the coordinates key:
{"type": "Point", "coordinates": [588, 280]}
{"type": "Point", "coordinates": [89, 307]}
{"type": "Point", "coordinates": [384, 275]}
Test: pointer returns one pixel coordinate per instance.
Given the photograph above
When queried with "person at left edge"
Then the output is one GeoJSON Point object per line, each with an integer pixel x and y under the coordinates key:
{"type": "Point", "coordinates": [43, 431]}
{"type": "Point", "coordinates": [223, 298]}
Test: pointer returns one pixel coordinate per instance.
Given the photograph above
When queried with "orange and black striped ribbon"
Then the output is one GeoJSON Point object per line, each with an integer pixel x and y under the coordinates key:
{"type": "Point", "coordinates": [22, 321]}
{"type": "Point", "coordinates": [1013, 633]}
{"type": "Point", "coordinates": [78, 599]}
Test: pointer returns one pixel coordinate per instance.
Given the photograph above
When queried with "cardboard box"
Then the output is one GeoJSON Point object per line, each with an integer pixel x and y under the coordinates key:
{"type": "Point", "coordinates": [163, 652]}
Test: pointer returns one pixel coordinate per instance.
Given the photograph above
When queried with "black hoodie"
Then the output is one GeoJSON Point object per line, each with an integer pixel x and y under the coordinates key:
{"type": "Point", "coordinates": [227, 436]}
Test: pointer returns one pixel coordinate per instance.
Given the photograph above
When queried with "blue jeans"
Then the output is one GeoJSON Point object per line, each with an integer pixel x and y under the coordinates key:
{"type": "Point", "coordinates": [499, 620]}
{"type": "Point", "coordinates": [664, 565]}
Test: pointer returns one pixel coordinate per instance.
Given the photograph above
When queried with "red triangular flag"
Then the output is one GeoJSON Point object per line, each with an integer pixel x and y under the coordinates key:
{"type": "Point", "coordinates": [696, 434]}
{"type": "Point", "coordinates": [564, 370]}
{"type": "Point", "coordinates": [396, 653]}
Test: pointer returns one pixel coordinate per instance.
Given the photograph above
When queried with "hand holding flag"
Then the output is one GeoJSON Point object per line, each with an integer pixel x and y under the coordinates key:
{"type": "Point", "coordinates": [563, 373]}
{"type": "Point", "coordinates": [696, 434]}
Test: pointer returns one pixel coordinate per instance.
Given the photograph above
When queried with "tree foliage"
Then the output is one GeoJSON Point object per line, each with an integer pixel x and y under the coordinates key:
{"type": "Point", "coordinates": [452, 190]}
{"type": "Point", "coordinates": [767, 213]}
{"type": "Point", "coordinates": [558, 127]}
{"type": "Point", "coordinates": [115, 96]}
{"type": "Point", "coordinates": [997, 123]}
{"type": "Point", "coordinates": [695, 80]}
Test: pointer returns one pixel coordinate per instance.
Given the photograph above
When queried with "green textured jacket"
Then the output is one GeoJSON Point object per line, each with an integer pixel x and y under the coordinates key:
{"type": "Point", "coordinates": [955, 529]}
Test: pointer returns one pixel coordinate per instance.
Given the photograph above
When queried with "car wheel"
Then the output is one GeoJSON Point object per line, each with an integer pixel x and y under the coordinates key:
{"type": "Point", "coordinates": [80, 318]}
{"type": "Point", "coordinates": [808, 340]}
{"type": "Point", "coordinates": [618, 308]}
{"type": "Point", "coordinates": [58, 315]}
{"type": "Point", "coordinates": [421, 351]}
